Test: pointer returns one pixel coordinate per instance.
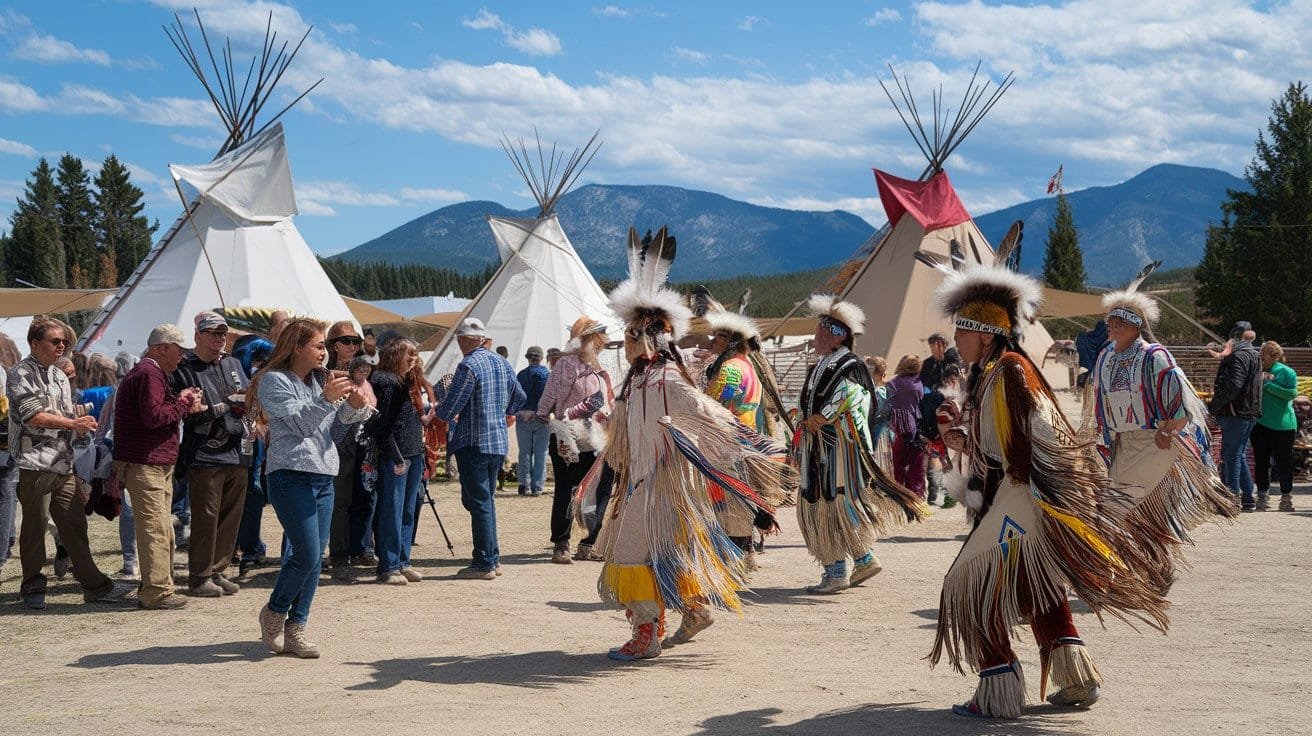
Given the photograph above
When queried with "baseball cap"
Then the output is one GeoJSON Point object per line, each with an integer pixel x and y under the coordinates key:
{"type": "Point", "coordinates": [471, 327]}
{"type": "Point", "coordinates": [210, 321]}
{"type": "Point", "coordinates": [534, 352]}
{"type": "Point", "coordinates": [168, 334]}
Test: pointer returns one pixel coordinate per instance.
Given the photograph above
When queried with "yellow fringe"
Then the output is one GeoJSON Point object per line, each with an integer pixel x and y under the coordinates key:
{"type": "Point", "coordinates": [1085, 532]}
{"type": "Point", "coordinates": [627, 584]}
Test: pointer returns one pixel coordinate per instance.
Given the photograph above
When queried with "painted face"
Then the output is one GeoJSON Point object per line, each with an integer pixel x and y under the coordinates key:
{"type": "Point", "coordinates": [829, 335]}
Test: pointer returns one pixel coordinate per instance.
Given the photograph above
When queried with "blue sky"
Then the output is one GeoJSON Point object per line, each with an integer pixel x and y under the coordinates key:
{"type": "Point", "coordinates": [776, 103]}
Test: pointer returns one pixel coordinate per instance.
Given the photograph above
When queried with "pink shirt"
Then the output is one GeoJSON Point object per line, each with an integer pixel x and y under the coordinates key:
{"type": "Point", "coordinates": [569, 386]}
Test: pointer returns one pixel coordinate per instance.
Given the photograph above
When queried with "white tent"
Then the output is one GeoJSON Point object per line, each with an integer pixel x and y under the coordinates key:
{"type": "Point", "coordinates": [541, 288]}
{"type": "Point", "coordinates": [235, 246]}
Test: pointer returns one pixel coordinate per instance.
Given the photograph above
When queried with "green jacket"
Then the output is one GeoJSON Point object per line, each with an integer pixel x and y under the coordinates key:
{"type": "Point", "coordinates": [1278, 398]}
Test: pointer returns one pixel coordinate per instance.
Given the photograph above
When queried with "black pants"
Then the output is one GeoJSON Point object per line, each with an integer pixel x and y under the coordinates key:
{"type": "Point", "coordinates": [605, 484]}
{"type": "Point", "coordinates": [1268, 444]}
{"type": "Point", "coordinates": [568, 476]}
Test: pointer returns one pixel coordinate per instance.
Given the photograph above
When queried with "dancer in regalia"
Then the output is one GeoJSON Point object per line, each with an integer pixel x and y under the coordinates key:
{"type": "Point", "coordinates": [846, 500]}
{"type": "Point", "coordinates": [1032, 491]}
{"type": "Point", "coordinates": [1153, 432]}
{"type": "Point", "coordinates": [679, 460]}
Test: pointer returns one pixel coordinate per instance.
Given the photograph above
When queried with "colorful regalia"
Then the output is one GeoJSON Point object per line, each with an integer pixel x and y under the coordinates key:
{"type": "Point", "coordinates": [1156, 494]}
{"type": "Point", "coordinates": [846, 500]}
{"type": "Point", "coordinates": [1032, 490]}
{"type": "Point", "coordinates": [682, 462]}
{"type": "Point", "coordinates": [881, 430]}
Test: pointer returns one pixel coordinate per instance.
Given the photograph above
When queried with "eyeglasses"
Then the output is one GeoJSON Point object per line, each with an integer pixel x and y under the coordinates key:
{"type": "Point", "coordinates": [58, 341]}
{"type": "Point", "coordinates": [349, 340]}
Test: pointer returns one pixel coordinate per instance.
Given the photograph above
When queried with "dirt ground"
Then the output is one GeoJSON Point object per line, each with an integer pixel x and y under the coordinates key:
{"type": "Point", "coordinates": [525, 654]}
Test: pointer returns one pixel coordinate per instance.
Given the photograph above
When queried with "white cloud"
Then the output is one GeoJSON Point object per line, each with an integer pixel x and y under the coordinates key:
{"type": "Point", "coordinates": [751, 22]}
{"type": "Point", "coordinates": [534, 41]}
{"type": "Point", "coordinates": [342, 193]}
{"type": "Point", "coordinates": [203, 143]}
{"type": "Point", "coordinates": [884, 15]}
{"type": "Point", "coordinates": [415, 25]}
{"type": "Point", "coordinates": [16, 148]}
{"type": "Point", "coordinates": [433, 196]}
{"type": "Point", "coordinates": [313, 209]}
{"type": "Point", "coordinates": [343, 28]}
{"type": "Point", "coordinates": [612, 11]}
{"type": "Point", "coordinates": [51, 50]}
{"type": "Point", "coordinates": [696, 57]}
{"type": "Point", "coordinates": [18, 97]}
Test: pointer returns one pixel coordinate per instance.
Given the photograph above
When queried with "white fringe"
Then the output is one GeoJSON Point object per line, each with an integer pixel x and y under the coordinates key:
{"type": "Point", "coordinates": [1002, 695]}
{"type": "Point", "coordinates": [1072, 667]}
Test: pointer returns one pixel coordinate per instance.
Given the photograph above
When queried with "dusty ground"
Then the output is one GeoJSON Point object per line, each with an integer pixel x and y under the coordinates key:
{"type": "Point", "coordinates": [525, 654]}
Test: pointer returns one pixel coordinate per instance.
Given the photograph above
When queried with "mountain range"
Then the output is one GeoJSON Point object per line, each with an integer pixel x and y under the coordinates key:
{"type": "Point", "coordinates": [1162, 213]}
{"type": "Point", "coordinates": [719, 236]}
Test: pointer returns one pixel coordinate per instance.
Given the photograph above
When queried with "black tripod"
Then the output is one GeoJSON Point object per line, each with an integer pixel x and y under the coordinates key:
{"type": "Point", "coordinates": [432, 504]}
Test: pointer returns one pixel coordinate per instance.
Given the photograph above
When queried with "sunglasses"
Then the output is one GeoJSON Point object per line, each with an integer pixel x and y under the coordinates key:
{"type": "Point", "coordinates": [835, 329]}
{"type": "Point", "coordinates": [349, 340]}
{"type": "Point", "coordinates": [58, 341]}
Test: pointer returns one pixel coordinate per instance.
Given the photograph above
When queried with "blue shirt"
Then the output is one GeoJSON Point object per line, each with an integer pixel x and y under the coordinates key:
{"type": "Point", "coordinates": [483, 393]}
{"type": "Point", "coordinates": [300, 423]}
{"type": "Point", "coordinates": [533, 380]}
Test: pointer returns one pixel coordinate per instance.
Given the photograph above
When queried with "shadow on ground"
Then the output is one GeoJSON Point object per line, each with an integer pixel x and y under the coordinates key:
{"type": "Point", "coordinates": [787, 596]}
{"type": "Point", "coordinates": [232, 651]}
{"type": "Point", "coordinates": [533, 670]}
{"type": "Point", "coordinates": [892, 718]}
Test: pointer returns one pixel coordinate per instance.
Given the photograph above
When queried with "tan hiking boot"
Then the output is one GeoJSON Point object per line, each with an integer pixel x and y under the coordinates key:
{"type": "Point", "coordinates": [694, 622]}
{"type": "Point", "coordinates": [271, 629]}
{"type": "Point", "coordinates": [1286, 502]}
{"type": "Point", "coordinates": [296, 643]}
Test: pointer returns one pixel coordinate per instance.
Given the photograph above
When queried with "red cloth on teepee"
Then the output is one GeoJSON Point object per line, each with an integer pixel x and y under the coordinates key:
{"type": "Point", "coordinates": [933, 203]}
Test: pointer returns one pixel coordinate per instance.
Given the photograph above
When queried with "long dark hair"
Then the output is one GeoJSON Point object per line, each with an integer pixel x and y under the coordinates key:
{"type": "Point", "coordinates": [296, 333]}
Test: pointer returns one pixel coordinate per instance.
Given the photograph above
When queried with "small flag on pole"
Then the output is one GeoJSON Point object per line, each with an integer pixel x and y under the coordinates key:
{"type": "Point", "coordinates": [1054, 184]}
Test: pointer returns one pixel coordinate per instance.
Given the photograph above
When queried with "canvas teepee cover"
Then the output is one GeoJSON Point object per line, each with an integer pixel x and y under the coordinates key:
{"type": "Point", "coordinates": [541, 288]}
{"type": "Point", "coordinates": [896, 291]}
{"type": "Point", "coordinates": [238, 247]}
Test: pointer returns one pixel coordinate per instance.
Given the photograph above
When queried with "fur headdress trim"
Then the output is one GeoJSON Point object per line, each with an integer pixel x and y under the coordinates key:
{"type": "Point", "coordinates": [828, 305]}
{"type": "Point", "coordinates": [994, 296]}
{"type": "Point", "coordinates": [1136, 303]}
{"type": "Point", "coordinates": [631, 303]}
{"type": "Point", "coordinates": [732, 323]}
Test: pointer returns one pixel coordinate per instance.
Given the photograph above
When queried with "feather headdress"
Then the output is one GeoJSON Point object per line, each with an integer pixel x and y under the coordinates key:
{"type": "Point", "coordinates": [642, 300]}
{"type": "Point", "coordinates": [828, 305]}
{"type": "Point", "coordinates": [744, 327]}
{"type": "Point", "coordinates": [989, 299]}
{"type": "Point", "coordinates": [1132, 306]}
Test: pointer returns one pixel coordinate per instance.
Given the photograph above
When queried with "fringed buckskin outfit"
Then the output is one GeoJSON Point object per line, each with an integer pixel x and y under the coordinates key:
{"type": "Point", "coordinates": [845, 499]}
{"type": "Point", "coordinates": [680, 461]}
{"type": "Point", "coordinates": [1033, 495]}
{"type": "Point", "coordinates": [1158, 495]}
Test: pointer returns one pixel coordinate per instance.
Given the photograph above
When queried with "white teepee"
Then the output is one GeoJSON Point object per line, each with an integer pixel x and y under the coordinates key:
{"type": "Point", "coordinates": [234, 244]}
{"type": "Point", "coordinates": [542, 286]}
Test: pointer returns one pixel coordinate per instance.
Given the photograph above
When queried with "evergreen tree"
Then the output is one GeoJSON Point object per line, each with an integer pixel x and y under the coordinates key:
{"type": "Point", "coordinates": [76, 216]}
{"type": "Point", "coordinates": [36, 252]}
{"type": "Point", "coordinates": [4, 250]}
{"type": "Point", "coordinates": [1257, 264]}
{"type": "Point", "coordinates": [1063, 265]}
{"type": "Point", "coordinates": [122, 232]}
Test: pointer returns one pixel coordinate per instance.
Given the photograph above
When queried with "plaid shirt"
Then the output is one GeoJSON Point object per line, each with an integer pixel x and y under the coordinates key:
{"type": "Point", "coordinates": [483, 393]}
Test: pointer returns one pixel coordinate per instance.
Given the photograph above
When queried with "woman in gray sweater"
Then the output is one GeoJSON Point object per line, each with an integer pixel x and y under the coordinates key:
{"type": "Point", "coordinates": [298, 401]}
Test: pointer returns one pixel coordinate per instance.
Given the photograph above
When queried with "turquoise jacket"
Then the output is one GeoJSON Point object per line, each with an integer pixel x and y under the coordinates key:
{"type": "Point", "coordinates": [1278, 398]}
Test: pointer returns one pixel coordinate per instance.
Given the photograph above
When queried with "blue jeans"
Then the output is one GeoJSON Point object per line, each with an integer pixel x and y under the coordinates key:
{"type": "Point", "coordinates": [1234, 447]}
{"type": "Point", "coordinates": [248, 529]}
{"type": "Point", "coordinates": [8, 510]}
{"type": "Point", "coordinates": [533, 437]}
{"type": "Point", "coordinates": [304, 504]}
{"type": "Point", "coordinates": [478, 481]}
{"type": "Point", "coordinates": [398, 495]}
{"type": "Point", "coordinates": [127, 534]}
{"type": "Point", "coordinates": [181, 501]}
{"type": "Point", "coordinates": [360, 515]}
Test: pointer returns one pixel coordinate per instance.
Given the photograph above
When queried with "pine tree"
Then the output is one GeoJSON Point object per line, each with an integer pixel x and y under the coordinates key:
{"type": "Point", "coordinates": [1257, 264]}
{"type": "Point", "coordinates": [76, 215]}
{"type": "Point", "coordinates": [122, 232]}
{"type": "Point", "coordinates": [1063, 265]}
{"type": "Point", "coordinates": [36, 252]}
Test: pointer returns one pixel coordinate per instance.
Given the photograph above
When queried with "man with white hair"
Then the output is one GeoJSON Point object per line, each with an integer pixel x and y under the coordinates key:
{"type": "Point", "coordinates": [146, 416]}
{"type": "Point", "coordinates": [483, 393]}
